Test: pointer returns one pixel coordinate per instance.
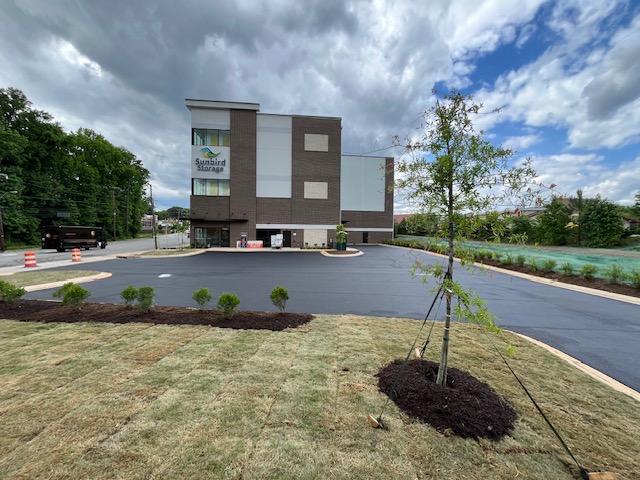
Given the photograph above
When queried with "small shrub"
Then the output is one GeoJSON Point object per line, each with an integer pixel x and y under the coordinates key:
{"type": "Point", "coordinates": [202, 296]}
{"type": "Point", "coordinates": [634, 278]}
{"type": "Point", "coordinates": [534, 264]}
{"type": "Point", "coordinates": [145, 298]}
{"type": "Point", "coordinates": [588, 270]}
{"type": "Point", "coordinates": [10, 293]}
{"type": "Point", "coordinates": [567, 268]}
{"type": "Point", "coordinates": [72, 294]}
{"type": "Point", "coordinates": [508, 259]}
{"type": "Point", "coordinates": [227, 302]}
{"type": "Point", "coordinates": [520, 259]}
{"type": "Point", "coordinates": [129, 295]}
{"type": "Point", "coordinates": [279, 296]}
{"type": "Point", "coordinates": [615, 274]}
{"type": "Point", "coordinates": [549, 265]}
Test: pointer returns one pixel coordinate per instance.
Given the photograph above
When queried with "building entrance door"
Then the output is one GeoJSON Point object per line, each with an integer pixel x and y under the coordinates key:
{"type": "Point", "coordinates": [286, 241]}
{"type": "Point", "coordinates": [211, 237]}
{"type": "Point", "coordinates": [365, 237]}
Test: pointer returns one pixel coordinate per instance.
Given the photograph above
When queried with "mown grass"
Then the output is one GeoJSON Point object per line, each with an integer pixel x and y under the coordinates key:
{"type": "Point", "coordinates": [27, 279]}
{"type": "Point", "coordinates": [143, 401]}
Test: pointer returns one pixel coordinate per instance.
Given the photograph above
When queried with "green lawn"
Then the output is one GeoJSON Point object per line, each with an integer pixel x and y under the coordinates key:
{"type": "Point", "coordinates": [143, 401]}
{"type": "Point", "coordinates": [27, 279]}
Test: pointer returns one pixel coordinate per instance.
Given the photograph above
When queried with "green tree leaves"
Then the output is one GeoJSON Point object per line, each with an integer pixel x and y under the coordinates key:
{"type": "Point", "coordinates": [602, 222]}
{"type": "Point", "coordinates": [64, 178]}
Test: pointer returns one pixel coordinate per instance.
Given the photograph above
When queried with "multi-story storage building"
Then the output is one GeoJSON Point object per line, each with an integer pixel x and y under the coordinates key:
{"type": "Point", "coordinates": [262, 174]}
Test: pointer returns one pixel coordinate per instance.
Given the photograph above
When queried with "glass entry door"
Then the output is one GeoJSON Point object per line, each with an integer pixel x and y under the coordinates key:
{"type": "Point", "coordinates": [211, 237]}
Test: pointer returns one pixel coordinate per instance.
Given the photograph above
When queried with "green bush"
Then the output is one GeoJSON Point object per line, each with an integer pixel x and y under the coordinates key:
{"type": "Point", "coordinates": [202, 296]}
{"type": "Point", "coordinates": [129, 295]}
{"type": "Point", "coordinates": [534, 264]}
{"type": "Point", "coordinates": [279, 296]}
{"type": "Point", "coordinates": [549, 265]}
{"type": "Point", "coordinates": [520, 259]}
{"type": "Point", "coordinates": [227, 302]}
{"type": "Point", "coordinates": [10, 293]}
{"type": "Point", "coordinates": [615, 274]}
{"type": "Point", "coordinates": [508, 259]}
{"type": "Point", "coordinates": [72, 294]}
{"type": "Point", "coordinates": [145, 298]}
{"type": "Point", "coordinates": [634, 278]}
{"type": "Point", "coordinates": [567, 268]}
{"type": "Point", "coordinates": [588, 270]}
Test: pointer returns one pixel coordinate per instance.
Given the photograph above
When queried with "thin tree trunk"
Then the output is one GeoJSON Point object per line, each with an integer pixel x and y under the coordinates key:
{"type": "Point", "coordinates": [444, 352]}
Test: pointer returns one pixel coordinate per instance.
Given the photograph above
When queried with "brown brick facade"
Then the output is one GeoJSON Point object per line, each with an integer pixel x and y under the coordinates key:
{"type": "Point", "coordinates": [243, 174]}
{"type": "Point", "coordinates": [316, 167]}
{"type": "Point", "coordinates": [274, 210]}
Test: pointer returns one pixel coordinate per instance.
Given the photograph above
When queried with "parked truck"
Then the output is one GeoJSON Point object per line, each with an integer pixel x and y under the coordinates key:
{"type": "Point", "coordinates": [69, 237]}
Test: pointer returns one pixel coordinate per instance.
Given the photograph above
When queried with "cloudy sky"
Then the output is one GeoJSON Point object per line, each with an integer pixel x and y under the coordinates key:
{"type": "Point", "coordinates": [565, 74]}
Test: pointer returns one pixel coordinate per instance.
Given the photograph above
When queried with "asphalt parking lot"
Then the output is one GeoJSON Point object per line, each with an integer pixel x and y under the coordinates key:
{"type": "Point", "coordinates": [601, 332]}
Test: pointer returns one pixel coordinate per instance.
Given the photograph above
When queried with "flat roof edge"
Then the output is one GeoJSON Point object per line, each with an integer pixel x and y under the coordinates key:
{"type": "Point", "coordinates": [215, 104]}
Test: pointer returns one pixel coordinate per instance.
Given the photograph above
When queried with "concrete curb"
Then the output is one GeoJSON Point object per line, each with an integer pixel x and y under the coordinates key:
{"type": "Point", "coordinates": [355, 253]}
{"type": "Point", "coordinates": [542, 280]}
{"type": "Point", "coordinates": [86, 279]}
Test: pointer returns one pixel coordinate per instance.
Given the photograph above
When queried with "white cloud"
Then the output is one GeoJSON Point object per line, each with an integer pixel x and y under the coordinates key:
{"type": "Point", "coordinates": [591, 174]}
{"type": "Point", "coordinates": [522, 141]}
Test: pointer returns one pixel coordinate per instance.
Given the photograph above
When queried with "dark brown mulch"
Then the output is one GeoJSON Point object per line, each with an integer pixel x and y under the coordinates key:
{"type": "Point", "coordinates": [44, 311]}
{"type": "Point", "coordinates": [596, 283]}
{"type": "Point", "coordinates": [467, 407]}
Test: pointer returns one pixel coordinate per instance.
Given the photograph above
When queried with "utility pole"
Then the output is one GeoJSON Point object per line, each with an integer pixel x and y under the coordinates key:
{"type": "Point", "coordinates": [126, 220]}
{"type": "Point", "coordinates": [153, 217]}
{"type": "Point", "coordinates": [113, 197]}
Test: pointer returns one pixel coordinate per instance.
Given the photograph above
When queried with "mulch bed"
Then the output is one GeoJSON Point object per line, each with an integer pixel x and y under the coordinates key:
{"type": "Point", "coordinates": [46, 311]}
{"type": "Point", "coordinates": [596, 283]}
{"type": "Point", "coordinates": [467, 407]}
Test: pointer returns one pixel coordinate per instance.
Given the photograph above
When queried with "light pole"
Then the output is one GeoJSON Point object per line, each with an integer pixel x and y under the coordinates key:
{"type": "Point", "coordinates": [2, 244]}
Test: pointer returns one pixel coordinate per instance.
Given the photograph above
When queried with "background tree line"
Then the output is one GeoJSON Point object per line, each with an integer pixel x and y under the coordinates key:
{"type": "Point", "coordinates": [60, 178]}
{"type": "Point", "coordinates": [592, 222]}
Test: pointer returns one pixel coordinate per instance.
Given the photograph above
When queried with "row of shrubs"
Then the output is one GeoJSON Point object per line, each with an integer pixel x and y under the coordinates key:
{"type": "Point", "coordinates": [143, 298]}
{"type": "Point", "coordinates": [615, 273]}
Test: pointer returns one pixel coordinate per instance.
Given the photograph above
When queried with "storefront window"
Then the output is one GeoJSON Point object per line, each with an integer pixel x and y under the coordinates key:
{"type": "Point", "coordinates": [211, 187]}
{"type": "Point", "coordinates": [215, 138]}
{"type": "Point", "coordinates": [211, 237]}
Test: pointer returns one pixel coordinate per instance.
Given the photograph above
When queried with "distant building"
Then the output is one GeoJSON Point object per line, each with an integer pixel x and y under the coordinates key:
{"type": "Point", "coordinates": [264, 174]}
{"type": "Point", "coordinates": [631, 224]}
{"type": "Point", "coordinates": [147, 222]}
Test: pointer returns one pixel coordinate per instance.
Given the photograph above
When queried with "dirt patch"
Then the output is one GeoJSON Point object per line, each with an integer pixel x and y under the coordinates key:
{"type": "Point", "coordinates": [45, 311]}
{"type": "Point", "coordinates": [467, 407]}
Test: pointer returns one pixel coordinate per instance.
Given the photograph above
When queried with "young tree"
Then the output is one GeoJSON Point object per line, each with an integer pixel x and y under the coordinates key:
{"type": "Point", "coordinates": [453, 172]}
{"type": "Point", "coordinates": [602, 222]}
{"type": "Point", "coordinates": [552, 226]}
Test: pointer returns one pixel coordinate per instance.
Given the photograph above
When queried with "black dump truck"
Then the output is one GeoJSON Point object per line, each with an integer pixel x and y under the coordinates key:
{"type": "Point", "coordinates": [63, 238]}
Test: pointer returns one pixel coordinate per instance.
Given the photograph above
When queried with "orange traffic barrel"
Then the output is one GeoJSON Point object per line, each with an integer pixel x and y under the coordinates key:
{"type": "Point", "coordinates": [30, 259]}
{"type": "Point", "coordinates": [75, 255]}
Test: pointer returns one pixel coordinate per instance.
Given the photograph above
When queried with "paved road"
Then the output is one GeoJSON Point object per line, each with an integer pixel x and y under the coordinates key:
{"type": "Point", "coordinates": [602, 333]}
{"type": "Point", "coordinates": [15, 258]}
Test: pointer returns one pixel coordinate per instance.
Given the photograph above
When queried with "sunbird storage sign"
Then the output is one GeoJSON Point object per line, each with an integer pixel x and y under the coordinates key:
{"type": "Point", "coordinates": [210, 162]}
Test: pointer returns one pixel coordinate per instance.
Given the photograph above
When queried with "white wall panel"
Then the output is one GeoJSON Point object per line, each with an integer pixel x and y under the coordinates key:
{"type": "Point", "coordinates": [273, 156]}
{"type": "Point", "coordinates": [362, 183]}
{"type": "Point", "coordinates": [208, 118]}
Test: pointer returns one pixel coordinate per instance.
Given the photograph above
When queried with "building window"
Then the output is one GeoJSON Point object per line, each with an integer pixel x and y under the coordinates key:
{"type": "Point", "coordinates": [215, 138]}
{"type": "Point", "coordinates": [211, 187]}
